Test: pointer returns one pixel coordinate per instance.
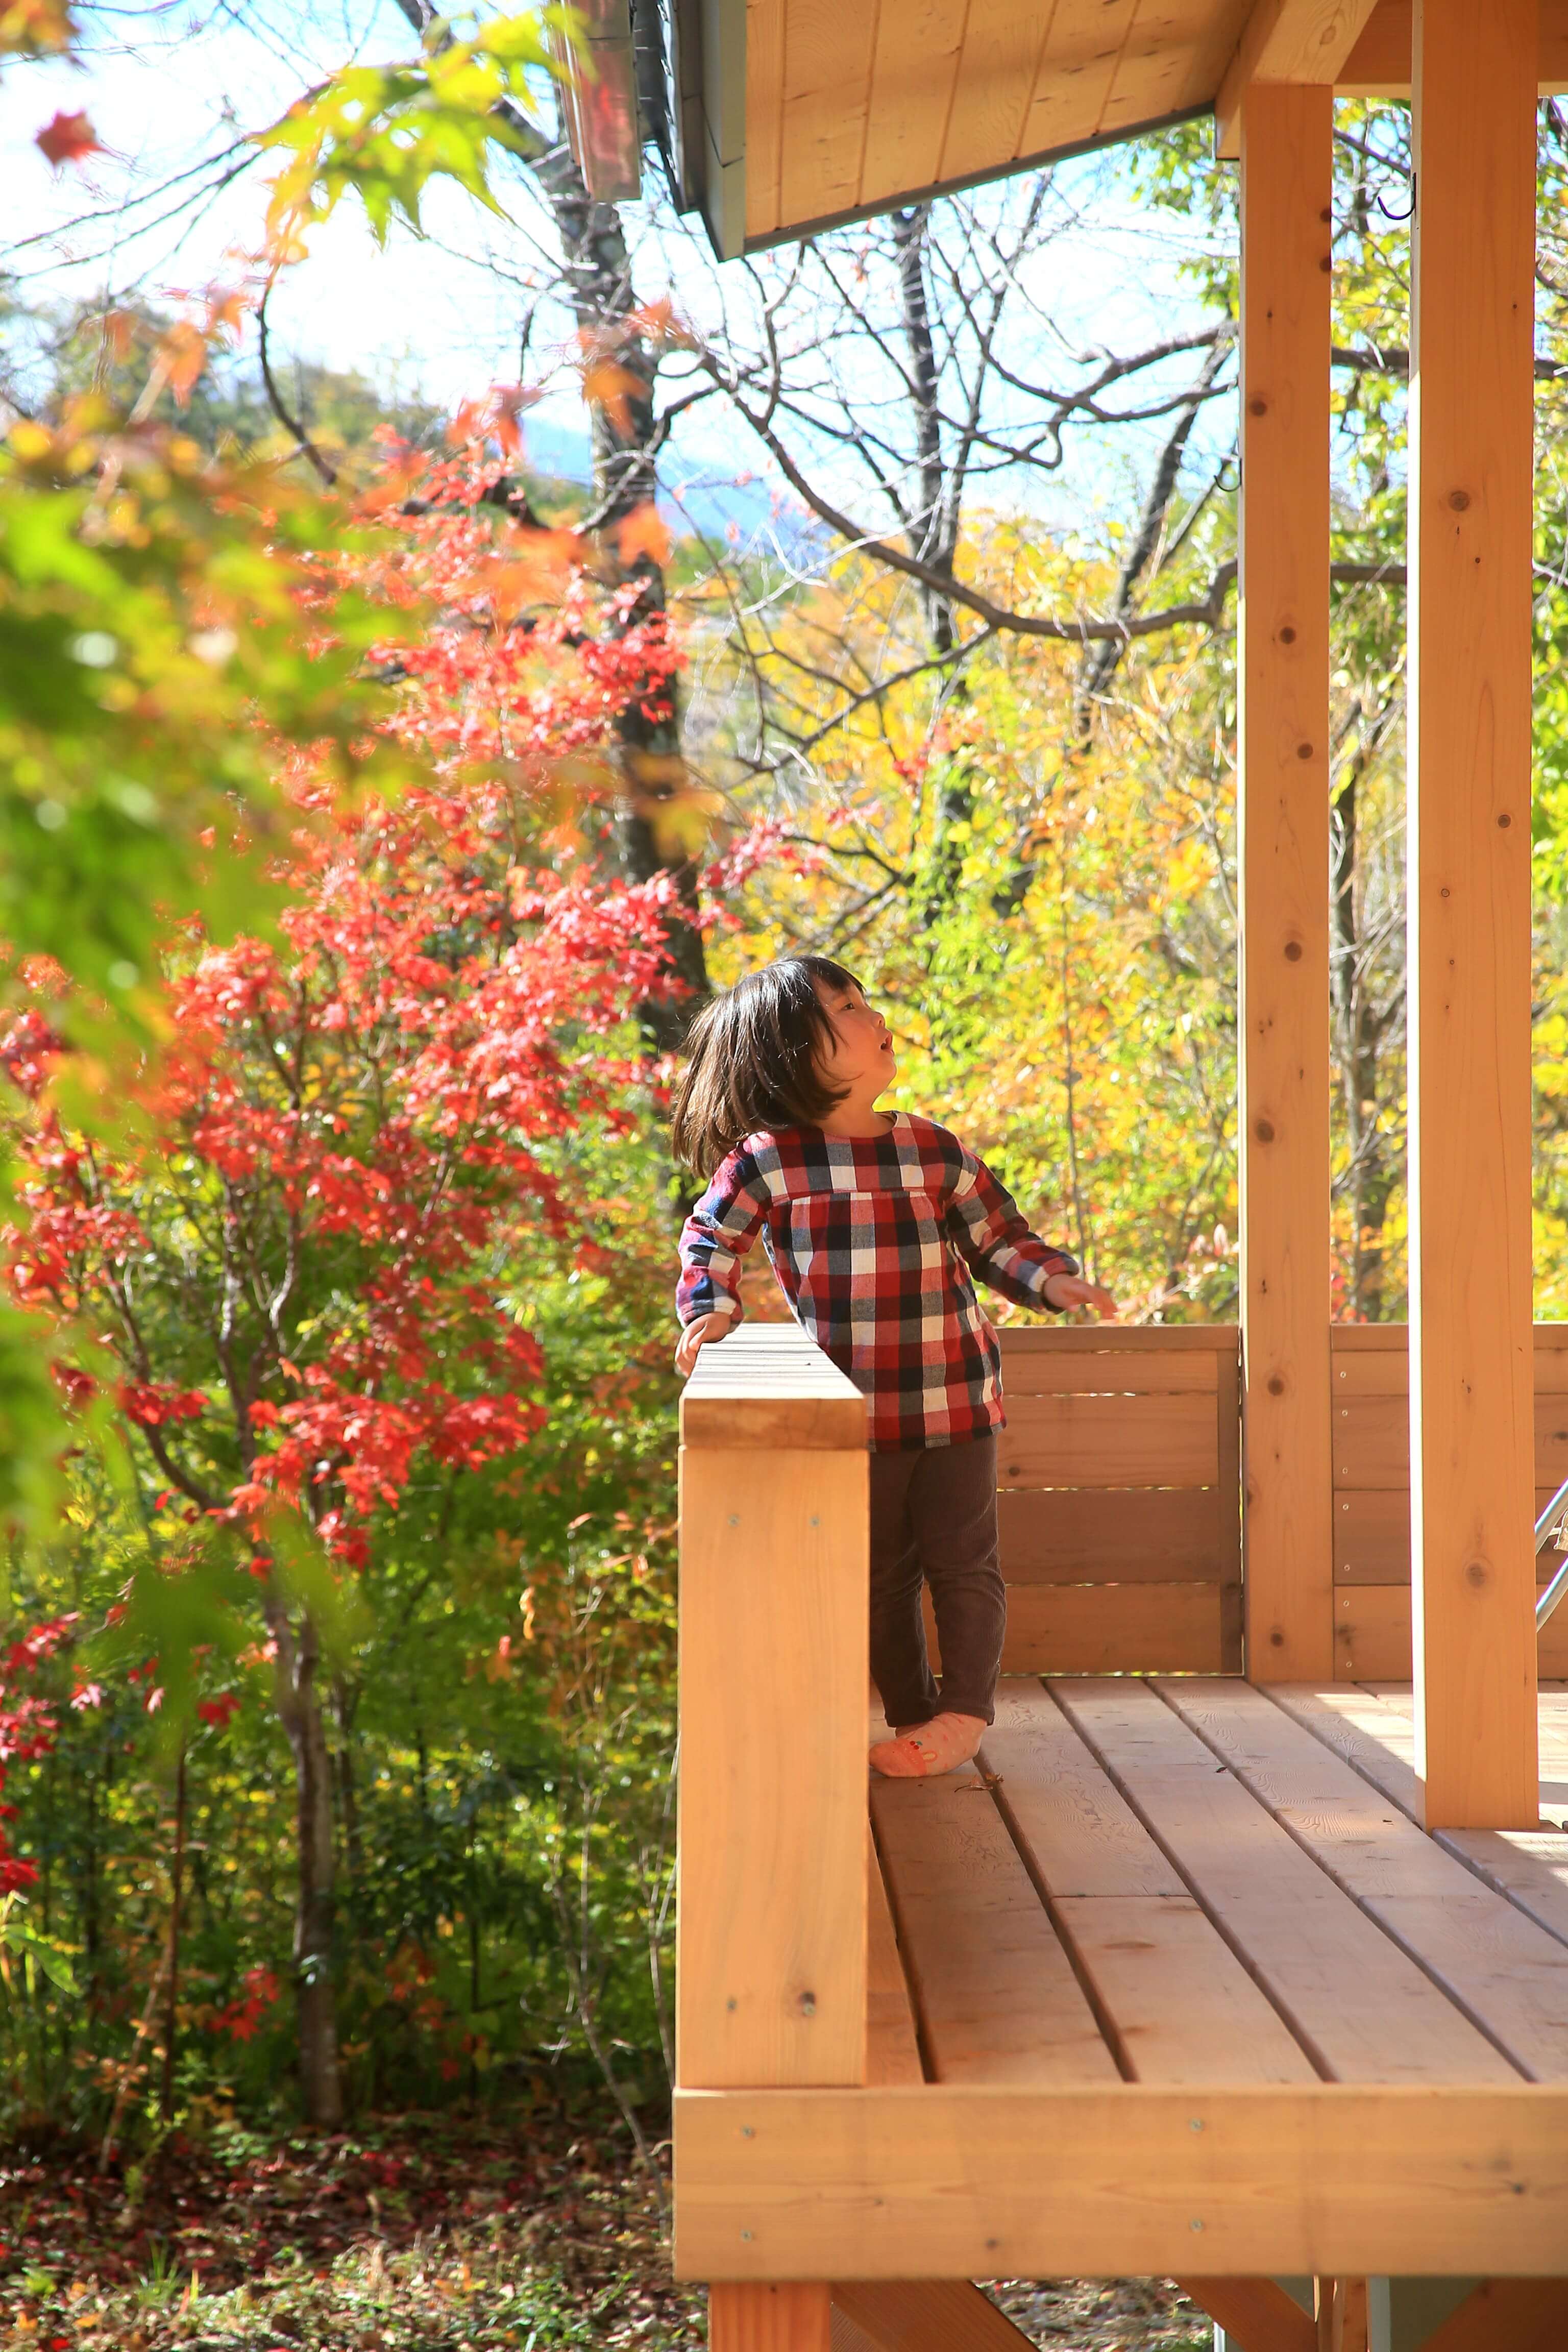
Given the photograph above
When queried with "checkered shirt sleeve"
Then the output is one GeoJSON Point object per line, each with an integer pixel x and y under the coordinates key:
{"type": "Point", "coordinates": [717, 1236]}
{"type": "Point", "coordinates": [987, 1228]}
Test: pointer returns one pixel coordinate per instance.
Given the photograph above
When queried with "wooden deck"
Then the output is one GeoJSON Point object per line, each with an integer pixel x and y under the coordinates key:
{"type": "Point", "coordinates": [1174, 1983]}
{"type": "Point", "coordinates": [1193, 1881]}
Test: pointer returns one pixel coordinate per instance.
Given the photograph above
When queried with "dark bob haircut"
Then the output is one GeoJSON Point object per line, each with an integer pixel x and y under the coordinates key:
{"type": "Point", "coordinates": [754, 1057]}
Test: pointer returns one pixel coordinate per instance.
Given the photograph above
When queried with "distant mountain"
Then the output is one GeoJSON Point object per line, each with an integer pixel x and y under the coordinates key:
{"type": "Point", "coordinates": [693, 498]}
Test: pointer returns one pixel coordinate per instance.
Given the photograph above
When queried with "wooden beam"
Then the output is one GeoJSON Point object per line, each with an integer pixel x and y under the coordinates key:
{"type": "Point", "coordinates": [1379, 64]}
{"type": "Point", "coordinates": [1283, 790]}
{"type": "Point", "coordinates": [769, 2318]}
{"type": "Point", "coordinates": [1342, 2315]}
{"type": "Point", "coordinates": [927, 2316]}
{"type": "Point", "coordinates": [1524, 2314]}
{"type": "Point", "coordinates": [1471, 402]}
{"type": "Point", "coordinates": [1122, 2180]}
{"type": "Point", "coordinates": [1286, 41]}
{"type": "Point", "coordinates": [1256, 2314]}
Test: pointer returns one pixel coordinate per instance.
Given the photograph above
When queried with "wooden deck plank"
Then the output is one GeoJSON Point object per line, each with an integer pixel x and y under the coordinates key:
{"type": "Point", "coordinates": [1530, 1866]}
{"type": "Point", "coordinates": [1179, 2005]}
{"type": "Point", "coordinates": [1361, 2008]}
{"type": "Point", "coordinates": [1080, 1834]}
{"type": "Point", "coordinates": [1506, 1974]}
{"type": "Point", "coordinates": [1372, 1736]}
{"type": "Point", "coordinates": [996, 1996]}
{"type": "Point", "coordinates": [893, 2046]}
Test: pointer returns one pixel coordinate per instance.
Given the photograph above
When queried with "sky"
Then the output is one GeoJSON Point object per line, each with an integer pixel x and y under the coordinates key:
{"type": "Point", "coordinates": [169, 82]}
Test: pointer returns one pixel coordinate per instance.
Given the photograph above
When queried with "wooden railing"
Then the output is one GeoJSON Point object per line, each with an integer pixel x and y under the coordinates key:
{"type": "Point", "coordinates": [773, 1679]}
{"type": "Point", "coordinates": [1120, 1509]}
{"type": "Point", "coordinates": [1369, 1379]}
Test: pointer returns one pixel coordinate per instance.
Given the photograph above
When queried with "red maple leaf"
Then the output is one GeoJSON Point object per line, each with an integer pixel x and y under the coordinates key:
{"type": "Point", "coordinates": [68, 138]}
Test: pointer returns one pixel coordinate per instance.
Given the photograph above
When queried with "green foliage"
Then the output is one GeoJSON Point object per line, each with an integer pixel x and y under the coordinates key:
{"type": "Point", "coordinates": [383, 132]}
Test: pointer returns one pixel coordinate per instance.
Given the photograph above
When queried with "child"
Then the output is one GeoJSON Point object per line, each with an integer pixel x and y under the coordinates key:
{"type": "Point", "coordinates": [873, 1221]}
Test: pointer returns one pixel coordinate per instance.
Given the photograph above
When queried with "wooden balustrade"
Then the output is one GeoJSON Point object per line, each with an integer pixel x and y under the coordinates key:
{"type": "Point", "coordinates": [773, 1676]}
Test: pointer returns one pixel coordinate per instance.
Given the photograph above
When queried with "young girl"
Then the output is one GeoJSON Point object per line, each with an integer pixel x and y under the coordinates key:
{"type": "Point", "coordinates": [874, 1222]}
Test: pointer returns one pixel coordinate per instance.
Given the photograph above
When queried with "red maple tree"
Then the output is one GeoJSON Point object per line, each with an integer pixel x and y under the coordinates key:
{"type": "Point", "coordinates": [286, 1272]}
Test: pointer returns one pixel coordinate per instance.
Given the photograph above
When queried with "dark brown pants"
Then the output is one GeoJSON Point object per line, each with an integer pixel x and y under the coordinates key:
{"type": "Point", "coordinates": [933, 1521]}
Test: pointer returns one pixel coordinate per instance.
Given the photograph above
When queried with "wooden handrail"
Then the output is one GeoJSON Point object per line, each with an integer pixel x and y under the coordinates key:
{"type": "Point", "coordinates": [774, 1680]}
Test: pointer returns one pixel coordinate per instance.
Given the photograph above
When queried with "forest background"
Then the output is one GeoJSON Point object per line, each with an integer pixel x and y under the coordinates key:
{"type": "Point", "coordinates": [386, 777]}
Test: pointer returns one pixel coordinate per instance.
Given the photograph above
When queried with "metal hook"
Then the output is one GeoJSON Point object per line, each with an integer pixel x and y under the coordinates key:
{"type": "Point", "coordinates": [1386, 209]}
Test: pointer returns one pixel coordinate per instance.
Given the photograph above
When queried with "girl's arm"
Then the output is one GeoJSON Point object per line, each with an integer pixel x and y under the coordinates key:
{"type": "Point", "coordinates": [986, 1227]}
{"type": "Point", "coordinates": [714, 1239]}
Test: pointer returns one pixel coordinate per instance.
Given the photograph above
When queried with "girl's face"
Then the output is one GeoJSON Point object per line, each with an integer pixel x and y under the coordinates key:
{"type": "Point", "coordinates": [862, 1056]}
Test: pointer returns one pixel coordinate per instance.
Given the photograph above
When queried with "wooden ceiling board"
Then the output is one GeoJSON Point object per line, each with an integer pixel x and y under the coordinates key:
{"type": "Point", "coordinates": [1155, 72]}
{"type": "Point", "coordinates": [912, 79]}
{"type": "Point", "coordinates": [1003, 44]}
{"type": "Point", "coordinates": [765, 113]}
{"type": "Point", "coordinates": [829, 48]}
{"type": "Point", "coordinates": [1078, 68]}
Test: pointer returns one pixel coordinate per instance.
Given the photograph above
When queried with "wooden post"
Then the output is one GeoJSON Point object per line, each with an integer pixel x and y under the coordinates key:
{"type": "Point", "coordinates": [1282, 665]}
{"type": "Point", "coordinates": [1473, 1473]}
{"type": "Point", "coordinates": [771, 1976]}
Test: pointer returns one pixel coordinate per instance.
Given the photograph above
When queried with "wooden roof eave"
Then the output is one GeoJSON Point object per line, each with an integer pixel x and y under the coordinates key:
{"type": "Point", "coordinates": [709, 71]}
{"type": "Point", "coordinates": [798, 230]}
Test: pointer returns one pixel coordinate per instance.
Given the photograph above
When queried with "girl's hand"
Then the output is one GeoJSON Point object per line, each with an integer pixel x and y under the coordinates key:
{"type": "Point", "coordinates": [697, 1334]}
{"type": "Point", "coordinates": [1066, 1290]}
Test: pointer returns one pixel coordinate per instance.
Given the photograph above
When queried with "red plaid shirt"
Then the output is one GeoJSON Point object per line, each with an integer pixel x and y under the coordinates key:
{"type": "Point", "coordinates": [873, 1240]}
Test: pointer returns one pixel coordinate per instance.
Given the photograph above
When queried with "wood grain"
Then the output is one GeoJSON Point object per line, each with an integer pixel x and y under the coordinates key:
{"type": "Point", "coordinates": [1358, 2005]}
{"type": "Point", "coordinates": [768, 1385]}
{"type": "Point", "coordinates": [1108, 1441]}
{"type": "Point", "coordinates": [1107, 2181]}
{"type": "Point", "coordinates": [765, 113]}
{"type": "Point", "coordinates": [893, 2048]}
{"type": "Point", "coordinates": [828, 50]}
{"type": "Point", "coordinates": [1472, 406]}
{"type": "Point", "coordinates": [1285, 40]}
{"type": "Point", "coordinates": [1077, 68]}
{"type": "Point", "coordinates": [928, 2315]}
{"type": "Point", "coordinates": [1113, 1628]}
{"type": "Point", "coordinates": [1505, 1972]}
{"type": "Point", "coordinates": [1124, 1371]}
{"type": "Point", "coordinates": [1178, 2005]}
{"type": "Point", "coordinates": [770, 2317]}
{"type": "Point", "coordinates": [996, 68]}
{"type": "Point", "coordinates": [1282, 728]}
{"type": "Point", "coordinates": [1154, 1535]}
{"type": "Point", "coordinates": [1372, 1636]}
{"type": "Point", "coordinates": [1256, 2314]}
{"type": "Point", "coordinates": [1379, 64]}
{"type": "Point", "coordinates": [1524, 2314]}
{"type": "Point", "coordinates": [912, 77]}
{"type": "Point", "coordinates": [772, 1840]}
{"type": "Point", "coordinates": [996, 1996]}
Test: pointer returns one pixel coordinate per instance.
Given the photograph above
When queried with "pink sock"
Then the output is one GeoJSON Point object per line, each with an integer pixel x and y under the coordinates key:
{"type": "Point", "coordinates": [939, 1746]}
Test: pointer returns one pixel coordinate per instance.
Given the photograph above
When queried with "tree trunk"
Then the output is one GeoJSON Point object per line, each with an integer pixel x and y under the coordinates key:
{"type": "Point", "coordinates": [651, 831]}
{"type": "Point", "coordinates": [1368, 1181]}
{"type": "Point", "coordinates": [299, 1710]}
{"type": "Point", "coordinates": [933, 539]}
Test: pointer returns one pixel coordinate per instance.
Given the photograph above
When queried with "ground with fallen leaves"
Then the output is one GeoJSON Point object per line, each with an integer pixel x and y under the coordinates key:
{"type": "Point", "coordinates": [413, 2234]}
